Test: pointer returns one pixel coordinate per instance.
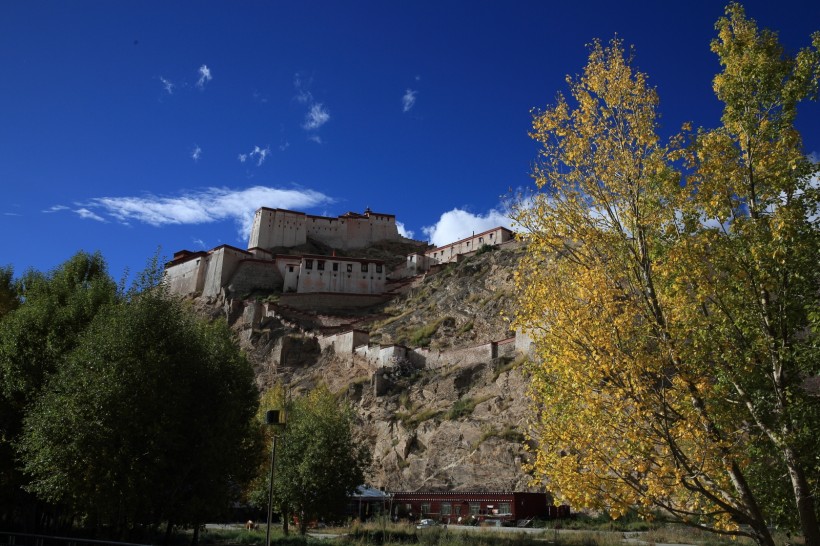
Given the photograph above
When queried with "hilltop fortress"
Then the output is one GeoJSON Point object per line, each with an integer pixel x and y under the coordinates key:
{"type": "Point", "coordinates": [270, 265]}
{"type": "Point", "coordinates": [286, 228]}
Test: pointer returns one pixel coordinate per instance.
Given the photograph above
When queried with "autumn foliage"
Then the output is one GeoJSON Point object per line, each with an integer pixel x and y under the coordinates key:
{"type": "Point", "coordinates": [670, 289]}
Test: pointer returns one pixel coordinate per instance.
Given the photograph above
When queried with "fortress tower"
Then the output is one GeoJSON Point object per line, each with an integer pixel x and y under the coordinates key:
{"type": "Point", "coordinates": [286, 228]}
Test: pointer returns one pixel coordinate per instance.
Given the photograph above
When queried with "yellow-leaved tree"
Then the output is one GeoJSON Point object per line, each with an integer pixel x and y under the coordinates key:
{"type": "Point", "coordinates": [669, 291]}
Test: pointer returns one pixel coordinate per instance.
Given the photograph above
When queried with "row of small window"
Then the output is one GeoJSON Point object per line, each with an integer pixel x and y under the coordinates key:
{"type": "Point", "coordinates": [475, 508]}
{"type": "Point", "coordinates": [320, 266]}
{"type": "Point", "coordinates": [480, 240]}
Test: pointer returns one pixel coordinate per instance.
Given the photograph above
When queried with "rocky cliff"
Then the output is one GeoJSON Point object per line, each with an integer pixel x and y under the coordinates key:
{"type": "Point", "coordinates": [454, 425]}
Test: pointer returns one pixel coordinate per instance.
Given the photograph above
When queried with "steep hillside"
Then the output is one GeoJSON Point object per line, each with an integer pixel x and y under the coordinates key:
{"type": "Point", "coordinates": [457, 425]}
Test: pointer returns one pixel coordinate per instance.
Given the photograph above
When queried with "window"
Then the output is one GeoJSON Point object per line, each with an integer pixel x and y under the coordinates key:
{"type": "Point", "coordinates": [335, 266]}
{"type": "Point", "coordinates": [308, 264]}
{"type": "Point", "coordinates": [320, 265]}
{"type": "Point", "coordinates": [290, 269]}
{"type": "Point", "coordinates": [350, 268]}
{"type": "Point", "coordinates": [425, 508]}
{"type": "Point", "coordinates": [504, 508]}
{"type": "Point", "coordinates": [446, 509]}
{"type": "Point", "coordinates": [474, 506]}
{"type": "Point", "coordinates": [491, 235]}
{"type": "Point", "coordinates": [378, 268]}
{"type": "Point", "coordinates": [481, 239]}
{"type": "Point", "coordinates": [364, 268]}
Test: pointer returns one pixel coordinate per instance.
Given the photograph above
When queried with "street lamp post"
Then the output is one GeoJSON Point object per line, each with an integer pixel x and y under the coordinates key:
{"type": "Point", "coordinates": [276, 418]}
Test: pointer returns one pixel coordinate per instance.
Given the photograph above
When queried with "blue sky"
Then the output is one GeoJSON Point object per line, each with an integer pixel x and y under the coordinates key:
{"type": "Point", "coordinates": [128, 126]}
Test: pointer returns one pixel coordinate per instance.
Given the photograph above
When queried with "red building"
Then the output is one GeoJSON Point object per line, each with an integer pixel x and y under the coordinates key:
{"type": "Point", "coordinates": [475, 507]}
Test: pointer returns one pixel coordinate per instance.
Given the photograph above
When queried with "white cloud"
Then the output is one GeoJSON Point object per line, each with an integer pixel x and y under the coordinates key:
{"type": "Point", "coordinates": [55, 208]}
{"type": "Point", "coordinates": [168, 85]}
{"type": "Point", "coordinates": [206, 206]}
{"type": "Point", "coordinates": [200, 243]}
{"type": "Point", "coordinates": [408, 100]}
{"type": "Point", "coordinates": [315, 138]}
{"type": "Point", "coordinates": [316, 117]}
{"type": "Point", "coordinates": [458, 224]}
{"type": "Point", "coordinates": [204, 76]}
{"type": "Point", "coordinates": [259, 153]}
{"type": "Point", "coordinates": [303, 94]}
{"type": "Point", "coordinates": [196, 153]}
{"type": "Point", "coordinates": [86, 214]}
{"type": "Point", "coordinates": [403, 231]}
{"type": "Point", "coordinates": [12, 214]}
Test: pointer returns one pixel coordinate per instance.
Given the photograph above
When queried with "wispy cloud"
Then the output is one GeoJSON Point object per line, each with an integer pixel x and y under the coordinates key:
{"type": "Point", "coordinates": [55, 208]}
{"type": "Point", "coordinates": [302, 87]}
{"type": "Point", "coordinates": [204, 76]}
{"type": "Point", "coordinates": [458, 224]}
{"type": "Point", "coordinates": [86, 214]}
{"type": "Point", "coordinates": [196, 153]}
{"type": "Point", "coordinates": [200, 243]}
{"type": "Point", "coordinates": [315, 138]}
{"type": "Point", "coordinates": [408, 100]}
{"type": "Point", "coordinates": [12, 214]}
{"type": "Point", "coordinates": [205, 206]}
{"type": "Point", "coordinates": [168, 85]}
{"type": "Point", "coordinates": [316, 117]}
{"type": "Point", "coordinates": [260, 154]}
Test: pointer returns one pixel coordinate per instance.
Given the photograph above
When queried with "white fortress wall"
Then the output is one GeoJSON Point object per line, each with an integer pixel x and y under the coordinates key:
{"type": "Point", "coordinates": [362, 230]}
{"type": "Point", "coordinates": [523, 342]}
{"type": "Point", "coordinates": [187, 276]}
{"type": "Point", "coordinates": [289, 267]}
{"type": "Point", "coordinates": [329, 231]}
{"type": "Point", "coordinates": [222, 263]}
{"type": "Point", "coordinates": [341, 275]}
{"type": "Point", "coordinates": [450, 253]}
{"type": "Point", "coordinates": [277, 227]}
{"type": "Point", "coordinates": [344, 343]}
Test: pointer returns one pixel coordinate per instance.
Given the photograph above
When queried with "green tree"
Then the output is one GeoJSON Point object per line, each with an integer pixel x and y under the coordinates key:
{"type": "Point", "coordinates": [148, 420]}
{"type": "Point", "coordinates": [318, 461]}
{"type": "Point", "coordinates": [670, 313]}
{"type": "Point", "coordinates": [36, 334]}
{"type": "Point", "coordinates": [9, 300]}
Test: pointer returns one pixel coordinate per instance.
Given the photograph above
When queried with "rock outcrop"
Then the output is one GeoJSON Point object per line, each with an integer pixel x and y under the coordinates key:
{"type": "Point", "coordinates": [456, 426]}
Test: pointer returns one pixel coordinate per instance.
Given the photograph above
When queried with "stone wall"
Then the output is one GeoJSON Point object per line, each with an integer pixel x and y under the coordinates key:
{"type": "Point", "coordinates": [523, 342]}
{"type": "Point", "coordinates": [252, 275]}
{"type": "Point", "coordinates": [325, 301]}
{"type": "Point", "coordinates": [469, 245]}
{"type": "Point", "coordinates": [186, 277]}
{"type": "Point", "coordinates": [341, 275]}
{"type": "Point", "coordinates": [438, 359]}
{"type": "Point", "coordinates": [277, 227]}
{"type": "Point", "coordinates": [284, 228]}
{"type": "Point", "coordinates": [506, 348]}
{"type": "Point", "coordinates": [344, 343]}
{"type": "Point", "coordinates": [222, 263]}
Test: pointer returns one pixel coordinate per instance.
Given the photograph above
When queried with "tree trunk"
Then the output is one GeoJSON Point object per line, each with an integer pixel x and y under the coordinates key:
{"type": "Point", "coordinates": [195, 536]}
{"type": "Point", "coordinates": [303, 524]}
{"type": "Point", "coordinates": [285, 516]}
{"type": "Point", "coordinates": [168, 529]}
{"type": "Point", "coordinates": [804, 500]}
